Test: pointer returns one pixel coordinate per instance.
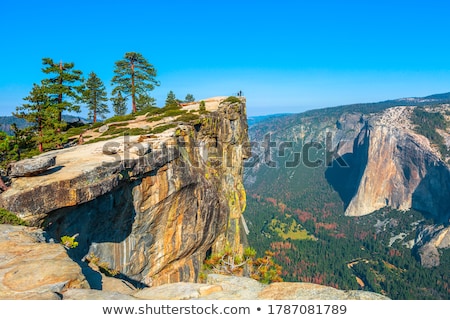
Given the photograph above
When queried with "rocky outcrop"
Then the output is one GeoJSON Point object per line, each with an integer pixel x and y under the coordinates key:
{"type": "Point", "coordinates": [30, 268]}
{"type": "Point", "coordinates": [391, 165]}
{"type": "Point", "coordinates": [221, 287]}
{"type": "Point", "coordinates": [428, 240]}
{"type": "Point", "coordinates": [154, 207]}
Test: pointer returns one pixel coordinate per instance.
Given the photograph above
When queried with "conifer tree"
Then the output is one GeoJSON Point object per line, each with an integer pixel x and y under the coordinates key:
{"type": "Point", "coordinates": [171, 100]}
{"type": "Point", "coordinates": [189, 98]}
{"type": "Point", "coordinates": [119, 105]}
{"type": "Point", "coordinates": [94, 95]}
{"type": "Point", "coordinates": [134, 76]}
{"type": "Point", "coordinates": [63, 87]}
{"type": "Point", "coordinates": [144, 102]}
{"type": "Point", "coordinates": [43, 117]}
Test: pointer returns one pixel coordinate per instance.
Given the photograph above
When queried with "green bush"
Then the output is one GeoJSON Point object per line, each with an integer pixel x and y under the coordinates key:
{"type": "Point", "coordinates": [202, 106]}
{"type": "Point", "coordinates": [232, 99]}
{"type": "Point", "coordinates": [149, 111]}
{"type": "Point", "coordinates": [174, 112]}
{"type": "Point", "coordinates": [76, 131]}
{"type": "Point", "coordinates": [69, 242]}
{"type": "Point", "coordinates": [263, 269]}
{"type": "Point", "coordinates": [127, 117]}
{"type": "Point", "coordinates": [7, 217]}
{"type": "Point", "coordinates": [163, 128]}
{"type": "Point", "coordinates": [189, 117]}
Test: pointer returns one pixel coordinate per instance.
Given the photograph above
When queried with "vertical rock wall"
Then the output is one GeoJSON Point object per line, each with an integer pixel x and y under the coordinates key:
{"type": "Point", "coordinates": [168, 212]}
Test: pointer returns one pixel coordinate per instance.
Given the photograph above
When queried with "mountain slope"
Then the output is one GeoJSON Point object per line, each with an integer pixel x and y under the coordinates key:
{"type": "Point", "coordinates": [331, 188]}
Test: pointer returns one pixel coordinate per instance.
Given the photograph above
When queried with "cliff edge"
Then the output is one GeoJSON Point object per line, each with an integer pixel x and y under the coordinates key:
{"type": "Point", "coordinates": [149, 206]}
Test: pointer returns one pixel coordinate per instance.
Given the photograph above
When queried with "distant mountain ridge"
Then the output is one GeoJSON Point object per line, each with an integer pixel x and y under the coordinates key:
{"type": "Point", "coordinates": [7, 121]}
{"type": "Point", "coordinates": [369, 182]}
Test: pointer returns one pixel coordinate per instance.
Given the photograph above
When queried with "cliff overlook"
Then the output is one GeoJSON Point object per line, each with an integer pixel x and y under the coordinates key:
{"type": "Point", "coordinates": [151, 205]}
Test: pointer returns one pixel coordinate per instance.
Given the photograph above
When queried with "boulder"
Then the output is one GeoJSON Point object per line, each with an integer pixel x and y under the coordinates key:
{"type": "Point", "coordinates": [103, 129]}
{"type": "Point", "coordinates": [30, 268]}
{"type": "Point", "coordinates": [31, 167]}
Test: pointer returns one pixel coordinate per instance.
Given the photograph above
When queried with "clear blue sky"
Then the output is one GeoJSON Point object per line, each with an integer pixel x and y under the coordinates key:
{"type": "Point", "coordinates": [286, 56]}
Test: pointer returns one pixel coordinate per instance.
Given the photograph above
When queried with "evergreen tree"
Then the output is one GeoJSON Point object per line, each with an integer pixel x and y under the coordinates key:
{"type": "Point", "coordinates": [189, 98]}
{"type": "Point", "coordinates": [134, 76]}
{"type": "Point", "coordinates": [171, 100]}
{"type": "Point", "coordinates": [94, 95]}
{"type": "Point", "coordinates": [119, 104]}
{"type": "Point", "coordinates": [144, 102]}
{"type": "Point", "coordinates": [42, 115]}
{"type": "Point", "coordinates": [63, 87]}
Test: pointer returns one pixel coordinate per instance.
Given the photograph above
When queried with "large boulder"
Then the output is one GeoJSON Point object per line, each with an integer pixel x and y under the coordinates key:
{"type": "Point", "coordinates": [30, 268]}
{"type": "Point", "coordinates": [31, 167]}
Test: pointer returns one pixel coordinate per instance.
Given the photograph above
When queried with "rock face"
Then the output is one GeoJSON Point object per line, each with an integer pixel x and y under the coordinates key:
{"type": "Point", "coordinates": [427, 243]}
{"type": "Point", "coordinates": [388, 164]}
{"type": "Point", "coordinates": [154, 207]}
{"type": "Point", "coordinates": [30, 268]}
{"type": "Point", "coordinates": [220, 287]}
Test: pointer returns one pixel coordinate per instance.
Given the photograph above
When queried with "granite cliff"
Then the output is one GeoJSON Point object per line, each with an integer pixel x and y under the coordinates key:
{"type": "Point", "coordinates": [149, 206]}
{"type": "Point", "coordinates": [373, 157]}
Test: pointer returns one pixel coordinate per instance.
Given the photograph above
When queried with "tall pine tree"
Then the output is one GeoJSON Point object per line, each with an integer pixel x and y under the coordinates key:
{"type": "Point", "coordinates": [43, 117]}
{"type": "Point", "coordinates": [119, 105]}
{"type": "Point", "coordinates": [134, 76]}
{"type": "Point", "coordinates": [64, 86]}
{"type": "Point", "coordinates": [94, 95]}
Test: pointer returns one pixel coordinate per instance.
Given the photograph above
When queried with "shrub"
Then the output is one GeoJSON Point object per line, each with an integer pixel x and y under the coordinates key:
{"type": "Point", "coordinates": [232, 99]}
{"type": "Point", "coordinates": [163, 128]}
{"type": "Point", "coordinates": [7, 217]}
{"type": "Point", "coordinates": [263, 269]}
{"type": "Point", "coordinates": [69, 242]}
{"type": "Point", "coordinates": [202, 106]}
{"type": "Point", "coordinates": [189, 117]}
{"type": "Point", "coordinates": [127, 117]}
{"type": "Point", "coordinates": [102, 266]}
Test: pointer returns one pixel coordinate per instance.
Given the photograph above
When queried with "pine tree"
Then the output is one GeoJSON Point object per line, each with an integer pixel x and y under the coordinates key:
{"type": "Point", "coordinates": [63, 87]}
{"type": "Point", "coordinates": [94, 95]}
{"type": "Point", "coordinates": [134, 76]}
{"type": "Point", "coordinates": [145, 102]}
{"type": "Point", "coordinates": [43, 117]}
{"type": "Point", "coordinates": [171, 100]}
{"type": "Point", "coordinates": [119, 105]}
{"type": "Point", "coordinates": [189, 98]}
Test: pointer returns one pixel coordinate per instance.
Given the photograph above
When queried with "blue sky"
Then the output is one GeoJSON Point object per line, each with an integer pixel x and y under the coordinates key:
{"type": "Point", "coordinates": [286, 56]}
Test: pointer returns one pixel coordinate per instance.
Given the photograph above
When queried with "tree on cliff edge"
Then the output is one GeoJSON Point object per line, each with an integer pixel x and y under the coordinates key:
{"type": "Point", "coordinates": [134, 76]}
{"type": "Point", "coordinates": [63, 87]}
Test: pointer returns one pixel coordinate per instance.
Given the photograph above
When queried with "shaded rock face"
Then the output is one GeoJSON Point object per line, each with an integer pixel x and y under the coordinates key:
{"type": "Point", "coordinates": [151, 215]}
